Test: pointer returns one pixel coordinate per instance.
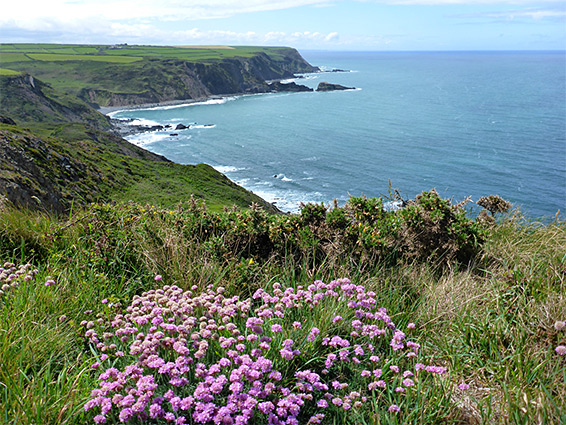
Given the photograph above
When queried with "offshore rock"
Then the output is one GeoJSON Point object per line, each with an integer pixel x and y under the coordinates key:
{"type": "Point", "coordinates": [332, 87]}
{"type": "Point", "coordinates": [288, 87]}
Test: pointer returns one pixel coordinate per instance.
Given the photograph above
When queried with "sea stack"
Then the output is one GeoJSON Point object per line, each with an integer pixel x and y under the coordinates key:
{"type": "Point", "coordinates": [331, 87]}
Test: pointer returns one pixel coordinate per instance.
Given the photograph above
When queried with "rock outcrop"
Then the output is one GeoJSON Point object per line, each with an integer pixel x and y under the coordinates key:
{"type": "Point", "coordinates": [332, 87]}
{"type": "Point", "coordinates": [288, 87]}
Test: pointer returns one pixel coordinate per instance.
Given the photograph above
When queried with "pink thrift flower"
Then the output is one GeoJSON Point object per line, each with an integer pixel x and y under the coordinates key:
{"type": "Point", "coordinates": [50, 282]}
{"type": "Point", "coordinates": [394, 408]}
{"type": "Point", "coordinates": [408, 382]}
{"type": "Point", "coordinates": [463, 386]}
{"type": "Point", "coordinates": [158, 277]}
{"type": "Point", "coordinates": [337, 401]}
{"type": "Point", "coordinates": [561, 350]}
{"type": "Point", "coordinates": [337, 319]}
{"type": "Point", "coordinates": [411, 326]}
{"type": "Point", "coordinates": [559, 325]}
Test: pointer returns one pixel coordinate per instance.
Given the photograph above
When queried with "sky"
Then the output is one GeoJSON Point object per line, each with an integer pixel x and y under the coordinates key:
{"type": "Point", "coordinates": [378, 25]}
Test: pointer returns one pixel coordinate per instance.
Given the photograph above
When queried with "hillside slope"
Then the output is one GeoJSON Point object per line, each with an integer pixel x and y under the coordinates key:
{"type": "Point", "coordinates": [67, 155]}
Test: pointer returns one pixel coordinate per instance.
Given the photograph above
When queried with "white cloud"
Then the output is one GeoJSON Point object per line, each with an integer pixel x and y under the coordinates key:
{"type": "Point", "coordinates": [118, 10]}
{"type": "Point", "coordinates": [510, 15]}
{"type": "Point", "coordinates": [33, 12]}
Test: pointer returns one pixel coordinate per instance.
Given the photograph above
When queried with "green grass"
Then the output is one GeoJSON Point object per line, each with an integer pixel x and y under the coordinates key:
{"type": "Point", "coordinates": [4, 71]}
{"type": "Point", "coordinates": [491, 324]}
{"type": "Point", "coordinates": [54, 52]}
{"type": "Point", "coordinates": [6, 57]}
{"type": "Point", "coordinates": [111, 170]}
{"type": "Point", "coordinates": [56, 57]}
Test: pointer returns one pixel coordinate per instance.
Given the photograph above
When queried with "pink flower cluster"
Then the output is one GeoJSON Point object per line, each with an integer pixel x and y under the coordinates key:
{"type": "Point", "coordinates": [11, 276]}
{"type": "Point", "coordinates": [207, 358]}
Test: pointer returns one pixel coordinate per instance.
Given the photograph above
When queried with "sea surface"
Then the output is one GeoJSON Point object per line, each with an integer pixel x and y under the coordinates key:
{"type": "Point", "coordinates": [464, 123]}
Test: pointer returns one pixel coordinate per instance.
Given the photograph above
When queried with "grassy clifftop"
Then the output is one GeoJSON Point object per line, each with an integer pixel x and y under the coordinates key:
{"type": "Point", "coordinates": [126, 75]}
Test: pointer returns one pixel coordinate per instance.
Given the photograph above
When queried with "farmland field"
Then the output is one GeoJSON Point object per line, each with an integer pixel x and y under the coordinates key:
{"type": "Point", "coordinates": [56, 57]}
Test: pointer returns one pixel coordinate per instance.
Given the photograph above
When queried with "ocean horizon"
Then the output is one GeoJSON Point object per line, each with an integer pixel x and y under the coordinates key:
{"type": "Point", "coordinates": [464, 123]}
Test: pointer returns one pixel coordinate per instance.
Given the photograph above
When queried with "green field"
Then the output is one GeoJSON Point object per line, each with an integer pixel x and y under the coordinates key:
{"type": "Point", "coordinates": [8, 72]}
{"type": "Point", "coordinates": [56, 57]}
{"type": "Point", "coordinates": [58, 52]}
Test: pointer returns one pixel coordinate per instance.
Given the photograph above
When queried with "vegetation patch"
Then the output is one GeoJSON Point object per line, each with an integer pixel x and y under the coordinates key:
{"type": "Point", "coordinates": [50, 57]}
{"type": "Point", "coordinates": [4, 71]}
{"type": "Point", "coordinates": [153, 298]}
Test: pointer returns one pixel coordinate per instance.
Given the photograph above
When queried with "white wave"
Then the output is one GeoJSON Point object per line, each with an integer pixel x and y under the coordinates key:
{"type": "Point", "coordinates": [227, 168]}
{"type": "Point", "coordinates": [307, 76]}
{"type": "Point", "coordinates": [393, 205]}
{"type": "Point", "coordinates": [143, 122]}
{"type": "Point", "coordinates": [287, 201]}
{"type": "Point", "coordinates": [215, 101]}
{"type": "Point", "coordinates": [145, 139]}
{"type": "Point", "coordinates": [283, 177]}
{"type": "Point", "coordinates": [203, 126]}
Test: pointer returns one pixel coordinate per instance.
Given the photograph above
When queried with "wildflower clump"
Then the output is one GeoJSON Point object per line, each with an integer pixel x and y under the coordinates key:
{"type": "Point", "coordinates": [11, 276]}
{"type": "Point", "coordinates": [283, 356]}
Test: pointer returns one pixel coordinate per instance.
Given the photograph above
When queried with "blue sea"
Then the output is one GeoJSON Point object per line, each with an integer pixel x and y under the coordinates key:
{"type": "Point", "coordinates": [464, 123]}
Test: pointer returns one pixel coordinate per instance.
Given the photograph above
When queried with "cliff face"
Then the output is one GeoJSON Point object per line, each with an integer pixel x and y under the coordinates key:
{"type": "Point", "coordinates": [180, 80]}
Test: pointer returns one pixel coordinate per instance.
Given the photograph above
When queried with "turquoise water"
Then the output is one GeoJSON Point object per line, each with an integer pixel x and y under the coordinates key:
{"type": "Point", "coordinates": [465, 123]}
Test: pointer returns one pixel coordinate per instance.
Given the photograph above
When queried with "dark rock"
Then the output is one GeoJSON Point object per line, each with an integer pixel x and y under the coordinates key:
{"type": "Point", "coordinates": [174, 134]}
{"type": "Point", "coordinates": [181, 127]}
{"type": "Point", "coordinates": [6, 120]}
{"type": "Point", "coordinates": [288, 87]}
{"type": "Point", "coordinates": [331, 87]}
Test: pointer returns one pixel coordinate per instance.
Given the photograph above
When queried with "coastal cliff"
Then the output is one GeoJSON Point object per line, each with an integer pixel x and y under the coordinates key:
{"type": "Point", "coordinates": [57, 150]}
{"type": "Point", "coordinates": [142, 75]}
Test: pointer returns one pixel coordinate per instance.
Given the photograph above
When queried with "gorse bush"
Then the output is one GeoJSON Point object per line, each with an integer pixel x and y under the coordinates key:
{"type": "Point", "coordinates": [429, 228]}
{"type": "Point", "coordinates": [284, 356]}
